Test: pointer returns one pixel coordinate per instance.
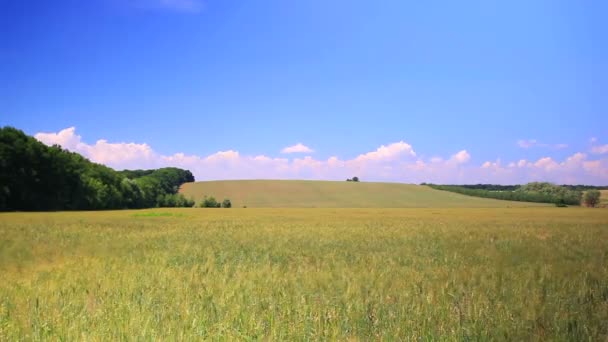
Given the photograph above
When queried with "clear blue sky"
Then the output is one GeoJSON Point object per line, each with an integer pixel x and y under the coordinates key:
{"type": "Point", "coordinates": [342, 77]}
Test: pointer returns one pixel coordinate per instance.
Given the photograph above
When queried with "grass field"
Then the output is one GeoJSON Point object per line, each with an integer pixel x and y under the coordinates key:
{"type": "Point", "coordinates": [305, 274]}
{"type": "Point", "coordinates": [604, 197]}
{"type": "Point", "coordinates": [327, 194]}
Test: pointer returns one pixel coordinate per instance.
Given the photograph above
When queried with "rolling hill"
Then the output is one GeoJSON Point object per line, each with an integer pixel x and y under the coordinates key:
{"type": "Point", "coordinates": [336, 194]}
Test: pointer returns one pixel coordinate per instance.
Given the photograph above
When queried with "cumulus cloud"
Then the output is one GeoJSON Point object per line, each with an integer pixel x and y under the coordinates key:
{"type": "Point", "coordinates": [460, 157]}
{"type": "Point", "coordinates": [393, 162]}
{"type": "Point", "coordinates": [297, 148]}
{"type": "Point", "coordinates": [117, 155]}
{"type": "Point", "coordinates": [387, 153]}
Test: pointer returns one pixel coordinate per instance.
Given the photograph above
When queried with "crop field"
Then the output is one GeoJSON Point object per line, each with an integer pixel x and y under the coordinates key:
{"type": "Point", "coordinates": [305, 274]}
{"type": "Point", "coordinates": [604, 197]}
{"type": "Point", "coordinates": [332, 194]}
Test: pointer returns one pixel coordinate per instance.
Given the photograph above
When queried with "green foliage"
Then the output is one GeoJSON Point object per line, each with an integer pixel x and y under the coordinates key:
{"type": "Point", "coordinates": [540, 192]}
{"type": "Point", "coordinates": [592, 198]}
{"type": "Point", "coordinates": [34, 176]}
{"type": "Point", "coordinates": [174, 201]}
{"type": "Point", "coordinates": [492, 187]}
{"type": "Point", "coordinates": [209, 202]}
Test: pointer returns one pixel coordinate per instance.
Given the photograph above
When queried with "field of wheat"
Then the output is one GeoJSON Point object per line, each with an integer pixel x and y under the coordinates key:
{"type": "Point", "coordinates": [306, 274]}
{"type": "Point", "coordinates": [334, 194]}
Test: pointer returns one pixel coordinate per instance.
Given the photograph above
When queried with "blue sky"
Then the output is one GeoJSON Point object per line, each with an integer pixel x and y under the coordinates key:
{"type": "Point", "coordinates": [508, 81]}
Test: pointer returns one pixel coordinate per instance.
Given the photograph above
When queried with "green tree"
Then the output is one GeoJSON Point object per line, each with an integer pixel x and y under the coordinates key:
{"type": "Point", "coordinates": [226, 203]}
{"type": "Point", "coordinates": [592, 198]}
{"type": "Point", "coordinates": [34, 176]}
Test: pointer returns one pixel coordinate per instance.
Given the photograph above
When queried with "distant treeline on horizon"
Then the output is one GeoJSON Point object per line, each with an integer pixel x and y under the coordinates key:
{"type": "Point", "coordinates": [34, 176]}
{"type": "Point", "coordinates": [540, 192]}
{"type": "Point", "coordinates": [497, 187]}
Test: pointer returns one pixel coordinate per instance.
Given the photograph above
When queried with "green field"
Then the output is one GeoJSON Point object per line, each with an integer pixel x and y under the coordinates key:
{"type": "Point", "coordinates": [327, 194]}
{"type": "Point", "coordinates": [305, 274]}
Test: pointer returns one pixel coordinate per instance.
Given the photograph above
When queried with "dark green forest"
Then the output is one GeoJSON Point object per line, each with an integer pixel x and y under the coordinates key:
{"type": "Point", "coordinates": [541, 192]}
{"type": "Point", "coordinates": [34, 176]}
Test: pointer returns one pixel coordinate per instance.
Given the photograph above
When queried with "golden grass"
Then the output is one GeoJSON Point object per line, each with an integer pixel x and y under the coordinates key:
{"type": "Point", "coordinates": [330, 194]}
{"type": "Point", "coordinates": [603, 197]}
{"type": "Point", "coordinates": [305, 274]}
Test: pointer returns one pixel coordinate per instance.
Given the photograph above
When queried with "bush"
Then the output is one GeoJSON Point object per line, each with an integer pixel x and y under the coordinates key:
{"type": "Point", "coordinates": [226, 203]}
{"type": "Point", "coordinates": [209, 202]}
{"type": "Point", "coordinates": [174, 201]}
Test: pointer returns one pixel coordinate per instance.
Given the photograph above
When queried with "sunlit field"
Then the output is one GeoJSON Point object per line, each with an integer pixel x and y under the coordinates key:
{"type": "Point", "coordinates": [282, 274]}
{"type": "Point", "coordinates": [337, 194]}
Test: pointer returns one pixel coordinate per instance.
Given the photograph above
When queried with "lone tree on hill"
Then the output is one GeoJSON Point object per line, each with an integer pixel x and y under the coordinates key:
{"type": "Point", "coordinates": [591, 198]}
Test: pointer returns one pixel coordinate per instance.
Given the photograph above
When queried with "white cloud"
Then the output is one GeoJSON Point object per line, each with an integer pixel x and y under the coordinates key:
{"type": "Point", "coordinates": [387, 153]}
{"type": "Point", "coordinates": [526, 143]}
{"type": "Point", "coordinates": [460, 157]}
{"type": "Point", "coordinates": [546, 163]}
{"type": "Point", "coordinates": [602, 149]}
{"type": "Point", "coordinates": [297, 148]}
{"type": "Point", "coordinates": [393, 162]}
{"type": "Point", "coordinates": [117, 155]}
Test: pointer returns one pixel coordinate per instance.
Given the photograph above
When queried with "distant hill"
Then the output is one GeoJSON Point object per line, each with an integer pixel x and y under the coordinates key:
{"type": "Point", "coordinates": [335, 194]}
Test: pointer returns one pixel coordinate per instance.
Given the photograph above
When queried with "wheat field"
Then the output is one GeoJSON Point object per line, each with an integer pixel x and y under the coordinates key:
{"type": "Point", "coordinates": [333, 194]}
{"type": "Point", "coordinates": [305, 274]}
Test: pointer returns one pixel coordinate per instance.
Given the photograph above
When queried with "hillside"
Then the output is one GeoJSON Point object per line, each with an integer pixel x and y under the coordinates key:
{"type": "Point", "coordinates": [335, 194]}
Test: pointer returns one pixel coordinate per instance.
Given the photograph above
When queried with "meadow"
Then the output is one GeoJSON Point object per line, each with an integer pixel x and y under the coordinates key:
{"type": "Point", "coordinates": [336, 194]}
{"type": "Point", "coordinates": [604, 198]}
{"type": "Point", "coordinates": [305, 274]}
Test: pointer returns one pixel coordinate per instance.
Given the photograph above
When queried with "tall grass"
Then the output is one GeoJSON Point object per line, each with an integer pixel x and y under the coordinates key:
{"type": "Point", "coordinates": [251, 274]}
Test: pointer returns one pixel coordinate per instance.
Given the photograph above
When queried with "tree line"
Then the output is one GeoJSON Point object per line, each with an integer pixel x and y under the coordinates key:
{"type": "Point", "coordinates": [540, 192]}
{"type": "Point", "coordinates": [34, 176]}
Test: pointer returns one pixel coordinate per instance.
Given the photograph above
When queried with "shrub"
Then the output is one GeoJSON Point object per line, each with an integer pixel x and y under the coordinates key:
{"type": "Point", "coordinates": [226, 203]}
{"type": "Point", "coordinates": [209, 202]}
